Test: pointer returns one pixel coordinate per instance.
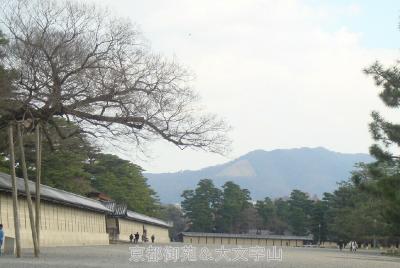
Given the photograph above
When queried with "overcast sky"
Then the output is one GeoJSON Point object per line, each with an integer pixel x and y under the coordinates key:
{"type": "Point", "coordinates": [283, 73]}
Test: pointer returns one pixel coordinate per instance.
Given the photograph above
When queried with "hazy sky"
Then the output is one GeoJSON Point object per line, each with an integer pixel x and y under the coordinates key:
{"type": "Point", "coordinates": [283, 73]}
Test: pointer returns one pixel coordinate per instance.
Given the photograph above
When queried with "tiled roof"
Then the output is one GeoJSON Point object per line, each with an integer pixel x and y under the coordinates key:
{"type": "Point", "coordinates": [55, 195]}
{"type": "Point", "coordinates": [121, 210]}
{"type": "Point", "coordinates": [143, 218]}
{"type": "Point", "coordinates": [52, 194]}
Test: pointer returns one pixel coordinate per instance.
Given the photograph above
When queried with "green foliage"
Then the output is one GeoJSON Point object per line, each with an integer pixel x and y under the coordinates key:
{"type": "Point", "coordinates": [282, 216]}
{"type": "Point", "coordinates": [209, 209]}
{"type": "Point", "coordinates": [300, 209]}
{"type": "Point", "coordinates": [292, 215]}
{"type": "Point", "coordinates": [3, 72]}
{"type": "Point", "coordinates": [5, 89]}
{"type": "Point", "coordinates": [124, 182]}
{"type": "Point", "coordinates": [74, 164]}
{"type": "Point", "coordinates": [346, 214]}
{"type": "Point", "coordinates": [382, 179]}
{"type": "Point", "coordinates": [354, 214]}
{"type": "Point", "coordinates": [63, 161]}
{"type": "Point", "coordinates": [7, 76]}
{"type": "Point", "coordinates": [65, 170]}
{"type": "Point", "coordinates": [234, 201]}
{"type": "Point", "coordinates": [275, 214]}
{"type": "Point", "coordinates": [318, 222]}
{"type": "Point", "coordinates": [201, 205]}
{"type": "Point", "coordinates": [266, 209]}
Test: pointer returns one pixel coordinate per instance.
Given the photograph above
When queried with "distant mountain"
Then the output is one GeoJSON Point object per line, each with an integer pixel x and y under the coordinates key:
{"type": "Point", "coordinates": [266, 173]}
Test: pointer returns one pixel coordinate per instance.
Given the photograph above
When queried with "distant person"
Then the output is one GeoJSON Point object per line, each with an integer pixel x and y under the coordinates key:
{"type": "Point", "coordinates": [1, 236]}
{"type": "Point", "coordinates": [131, 238]}
{"type": "Point", "coordinates": [152, 238]}
{"type": "Point", "coordinates": [341, 245]}
{"type": "Point", "coordinates": [355, 246]}
{"type": "Point", "coordinates": [136, 237]}
{"type": "Point", "coordinates": [144, 236]}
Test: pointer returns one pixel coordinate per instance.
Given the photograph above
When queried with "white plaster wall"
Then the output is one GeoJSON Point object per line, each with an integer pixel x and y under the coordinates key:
{"type": "Point", "coordinates": [127, 227]}
{"type": "Point", "coordinates": [60, 225]}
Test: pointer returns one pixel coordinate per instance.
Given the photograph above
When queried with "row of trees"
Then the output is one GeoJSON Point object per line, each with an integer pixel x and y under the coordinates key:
{"type": "Point", "coordinates": [230, 210]}
{"type": "Point", "coordinates": [211, 209]}
{"type": "Point", "coordinates": [347, 214]}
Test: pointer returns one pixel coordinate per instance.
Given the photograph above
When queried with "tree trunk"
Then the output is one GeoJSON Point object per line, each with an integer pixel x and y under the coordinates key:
{"type": "Point", "coordinates": [27, 191]}
{"type": "Point", "coordinates": [14, 193]}
{"type": "Point", "coordinates": [38, 175]}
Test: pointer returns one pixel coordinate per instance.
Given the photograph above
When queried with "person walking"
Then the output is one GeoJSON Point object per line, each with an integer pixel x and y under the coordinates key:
{"type": "Point", "coordinates": [131, 238]}
{"type": "Point", "coordinates": [1, 236]}
{"type": "Point", "coordinates": [136, 237]}
{"type": "Point", "coordinates": [355, 246]}
{"type": "Point", "coordinates": [144, 235]}
{"type": "Point", "coordinates": [152, 238]}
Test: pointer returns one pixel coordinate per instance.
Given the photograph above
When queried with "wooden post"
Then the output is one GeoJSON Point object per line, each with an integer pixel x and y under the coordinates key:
{"type": "Point", "coordinates": [38, 175]}
{"type": "Point", "coordinates": [14, 192]}
{"type": "Point", "coordinates": [27, 191]}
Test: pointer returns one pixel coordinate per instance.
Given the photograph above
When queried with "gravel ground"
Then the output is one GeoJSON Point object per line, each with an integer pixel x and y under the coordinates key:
{"type": "Point", "coordinates": [119, 255]}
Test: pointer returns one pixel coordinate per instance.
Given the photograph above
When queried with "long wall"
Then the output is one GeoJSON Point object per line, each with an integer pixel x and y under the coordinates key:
{"type": "Point", "coordinates": [127, 227]}
{"type": "Point", "coordinates": [242, 241]}
{"type": "Point", "coordinates": [60, 225]}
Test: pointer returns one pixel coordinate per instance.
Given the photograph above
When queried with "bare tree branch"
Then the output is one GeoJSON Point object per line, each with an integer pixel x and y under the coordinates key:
{"type": "Point", "coordinates": [77, 61]}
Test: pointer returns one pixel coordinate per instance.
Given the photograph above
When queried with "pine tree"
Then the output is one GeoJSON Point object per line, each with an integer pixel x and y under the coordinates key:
{"type": "Point", "coordinates": [234, 201]}
{"type": "Point", "coordinates": [123, 181]}
{"type": "Point", "coordinates": [201, 206]}
{"type": "Point", "coordinates": [382, 178]}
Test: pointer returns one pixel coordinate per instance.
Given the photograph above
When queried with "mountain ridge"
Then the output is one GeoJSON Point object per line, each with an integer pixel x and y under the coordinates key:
{"type": "Point", "coordinates": [266, 173]}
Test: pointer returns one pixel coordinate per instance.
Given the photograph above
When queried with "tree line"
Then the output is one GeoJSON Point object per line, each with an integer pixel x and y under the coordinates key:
{"type": "Point", "coordinates": [347, 214]}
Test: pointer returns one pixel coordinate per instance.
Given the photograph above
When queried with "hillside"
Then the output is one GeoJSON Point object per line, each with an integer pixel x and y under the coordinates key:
{"type": "Point", "coordinates": [266, 173]}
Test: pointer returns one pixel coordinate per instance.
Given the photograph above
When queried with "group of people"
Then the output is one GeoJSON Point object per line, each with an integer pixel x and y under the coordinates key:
{"type": "Point", "coordinates": [353, 246]}
{"type": "Point", "coordinates": [135, 238]}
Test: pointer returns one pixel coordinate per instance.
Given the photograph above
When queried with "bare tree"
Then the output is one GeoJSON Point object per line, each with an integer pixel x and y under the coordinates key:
{"type": "Point", "coordinates": [77, 61]}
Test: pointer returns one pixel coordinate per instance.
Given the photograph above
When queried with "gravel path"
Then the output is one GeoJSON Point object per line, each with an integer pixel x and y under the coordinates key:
{"type": "Point", "coordinates": [119, 255]}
